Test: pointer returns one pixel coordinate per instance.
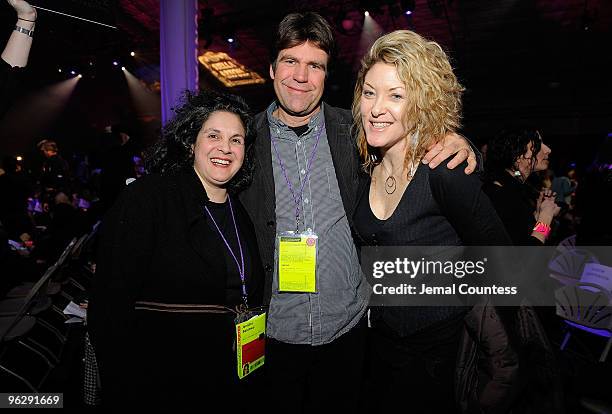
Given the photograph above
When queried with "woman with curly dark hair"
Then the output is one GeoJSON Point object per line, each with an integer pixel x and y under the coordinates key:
{"type": "Point", "coordinates": [526, 212]}
{"type": "Point", "coordinates": [178, 259]}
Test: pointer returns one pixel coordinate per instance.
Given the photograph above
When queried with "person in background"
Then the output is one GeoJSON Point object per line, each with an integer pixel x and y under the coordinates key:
{"type": "Point", "coordinates": [15, 189]}
{"type": "Point", "coordinates": [513, 155]}
{"type": "Point", "coordinates": [564, 185]}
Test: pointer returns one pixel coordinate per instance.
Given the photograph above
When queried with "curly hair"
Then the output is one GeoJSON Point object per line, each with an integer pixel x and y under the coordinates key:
{"type": "Point", "coordinates": [504, 150]}
{"type": "Point", "coordinates": [173, 151]}
{"type": "Point", "coordinates": [434, 94]}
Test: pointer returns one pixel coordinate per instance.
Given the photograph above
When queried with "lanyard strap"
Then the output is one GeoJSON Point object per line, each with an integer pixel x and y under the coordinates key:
{"type": "Point", "coordinates": [297, 198]}
{"type": "Point", "coordinates": [240, 264]}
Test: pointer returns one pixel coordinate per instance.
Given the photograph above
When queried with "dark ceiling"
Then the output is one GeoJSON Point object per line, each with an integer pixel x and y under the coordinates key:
{"type": "Point", "coordinates": [545, 62]}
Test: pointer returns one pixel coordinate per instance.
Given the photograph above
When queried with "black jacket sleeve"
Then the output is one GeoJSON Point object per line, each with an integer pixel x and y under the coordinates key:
{"type": "Point", "coordinates": [125, 250]}
{"type": "Point", "coordinates": [9, 80]}
{"type": "Point", "coordinates": [467, 207]}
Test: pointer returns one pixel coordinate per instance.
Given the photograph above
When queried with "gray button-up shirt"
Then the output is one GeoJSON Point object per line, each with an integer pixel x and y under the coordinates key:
{"type": "Point", "coordinates": [342, 292]}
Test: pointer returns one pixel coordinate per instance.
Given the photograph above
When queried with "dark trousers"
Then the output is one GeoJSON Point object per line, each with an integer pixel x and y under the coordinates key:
{"type": "Point", "coordinates": [415, 372]}
{"type": "Point", "coordinates": [302, 378]}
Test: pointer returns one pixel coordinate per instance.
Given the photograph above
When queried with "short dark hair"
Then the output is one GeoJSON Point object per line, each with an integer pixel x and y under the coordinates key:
{"type": "Point", "coordinates": [173, 151]}
{"type": "Point", "coordinates": [298, 28]}
{"type": "Point", "coordinates": [506, 147]}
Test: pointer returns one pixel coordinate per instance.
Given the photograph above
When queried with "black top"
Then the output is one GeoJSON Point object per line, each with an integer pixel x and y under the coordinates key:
{"type": "Point", "coordinates": [299, 130]}
{"type": "Point", "coordinates": [514, 204]}
{"type": "Point", "coordinates": [233, 284]}
{"type": "Point", "coordinates": [440, 207]}
{"type": "Point", "coordinates": [9, 81]}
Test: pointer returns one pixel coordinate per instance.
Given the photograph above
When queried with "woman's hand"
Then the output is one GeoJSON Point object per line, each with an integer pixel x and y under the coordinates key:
{"type": "Point", "coordinates": [23, 9]}
{"type": "Point", "coordinates": [452, 144]}
{"type": "Point", "coordinates": [547, 209]}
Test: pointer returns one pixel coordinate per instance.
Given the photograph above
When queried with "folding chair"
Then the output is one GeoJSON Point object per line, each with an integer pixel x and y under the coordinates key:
{"type": "Point", "coordinates": [588, 307]}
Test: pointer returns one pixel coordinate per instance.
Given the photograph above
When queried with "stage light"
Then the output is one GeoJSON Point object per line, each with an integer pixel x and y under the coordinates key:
{"type": "Point", "coordinates": [366, 13]}
{"type": "Point", "coordinates": [132, 54]}
{"type": "Point", "coordinates": [19, 158]}
{"type": "Point", "coordinates": [230, 40]}
{"type": "Point", "coordinates": [72, 72]}
{"type": "Point", "coordinates": [122, 67]}
{"type": "Point", "coordinates": [60, 70]}
{"type": "Point", "coordinates": [79, 76]}
{"type": "Point", "coordinates": [408, 6]}
{"type": "Point", "coordinates": [115, 63]}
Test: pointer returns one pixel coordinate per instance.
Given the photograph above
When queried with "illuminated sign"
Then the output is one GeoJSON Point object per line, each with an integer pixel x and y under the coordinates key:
{"type": "Point", "coordinates": [228, 70]}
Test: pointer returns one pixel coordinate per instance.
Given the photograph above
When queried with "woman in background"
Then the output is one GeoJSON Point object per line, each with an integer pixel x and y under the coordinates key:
{"type": "Point", "coordinates": [527, 213]}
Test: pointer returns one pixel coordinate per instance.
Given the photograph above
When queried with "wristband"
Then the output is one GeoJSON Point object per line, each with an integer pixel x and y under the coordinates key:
{"type": "Point", "coordinates": [24, 31]}
{"type": "Point", "coordinates": [542, 228]}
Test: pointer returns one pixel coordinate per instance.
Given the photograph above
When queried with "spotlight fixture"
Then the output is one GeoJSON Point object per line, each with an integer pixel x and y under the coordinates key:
{"type": "Point", "coordinates": [19, 158]}
{"type": "Point", "coordinates": [408, 6]}
{"type": "Point", "coordinates": [72, 72]}
{"type": "Point", "coordinates": [79, 76]}
{"type": "Point", "coordinates": [132, 54]}
{"type": "Point", "coordinates": [123, 68]}
{"type": "Point", "coordinates": [60, 70]}
{"type": "Point", "coordinates": [115, 63]}
{"type": "Point", "coordinates": [230, 40]}
{"type": "Point", "coordinates": [366, 13]}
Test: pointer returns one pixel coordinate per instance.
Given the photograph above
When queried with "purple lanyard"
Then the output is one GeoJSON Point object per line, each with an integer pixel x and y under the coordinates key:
{"type": "Point", "coordinates": [241, 264]}
{"type": "Point", "coordinates": [297, 199]}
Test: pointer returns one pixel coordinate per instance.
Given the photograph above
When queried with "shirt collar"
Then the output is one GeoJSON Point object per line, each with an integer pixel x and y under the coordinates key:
{"type": "Point", "coordinates": [278, 127]}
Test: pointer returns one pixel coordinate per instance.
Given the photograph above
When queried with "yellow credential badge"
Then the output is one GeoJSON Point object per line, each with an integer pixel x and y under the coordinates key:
{"type": "Point", "coordinates": [250, 344]}
{"type": "Point", "coordinates": [297, 262]}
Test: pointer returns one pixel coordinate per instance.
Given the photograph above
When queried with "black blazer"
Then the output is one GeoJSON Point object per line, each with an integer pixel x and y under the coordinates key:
{"type": "Point", "coordinates": [156, 246]}
{"type": "Point", "coordinates": [260, 199]}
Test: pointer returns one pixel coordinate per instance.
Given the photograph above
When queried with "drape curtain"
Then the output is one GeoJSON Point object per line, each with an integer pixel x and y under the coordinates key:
{"type": "Point", "coordinates": [178, 38]}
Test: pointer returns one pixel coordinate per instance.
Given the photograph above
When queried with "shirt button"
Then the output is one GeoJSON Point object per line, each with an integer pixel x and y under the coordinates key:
{"type": "Point", "coordinates": [299, 143]}
{"type": "Point", "coordinates": [316, 128]}
{"type": "Point", "coordinates": [302, 171]}
{"type": "Point", "coordinates": [277, 131]}
{"type": "Point", "coordinates": [268, 268]}
{"type": "Point", "coordinates": [305, 201]}
{"type": "Point", "coordinates": [270, 223]}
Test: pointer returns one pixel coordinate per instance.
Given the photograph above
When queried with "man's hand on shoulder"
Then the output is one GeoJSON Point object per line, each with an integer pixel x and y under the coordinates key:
{"type": "Point", "coordinates": [452, 144]}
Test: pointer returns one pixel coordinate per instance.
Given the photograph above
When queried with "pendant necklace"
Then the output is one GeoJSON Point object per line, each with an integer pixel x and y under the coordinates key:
{"type": "Point", "coordinates": [390, 182]}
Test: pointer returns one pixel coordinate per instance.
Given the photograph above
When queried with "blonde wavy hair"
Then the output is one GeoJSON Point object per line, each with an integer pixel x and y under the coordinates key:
{"type": "Point", "coordinates": [433, 104]}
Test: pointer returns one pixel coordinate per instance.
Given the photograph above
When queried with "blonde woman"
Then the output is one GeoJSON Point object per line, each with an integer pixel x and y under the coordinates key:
{"type": "Point", "coordinates": [406, 99]}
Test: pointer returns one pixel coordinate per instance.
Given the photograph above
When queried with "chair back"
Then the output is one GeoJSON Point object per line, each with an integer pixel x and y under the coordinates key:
{"type": "Point", "coordinates": [586, 304]}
